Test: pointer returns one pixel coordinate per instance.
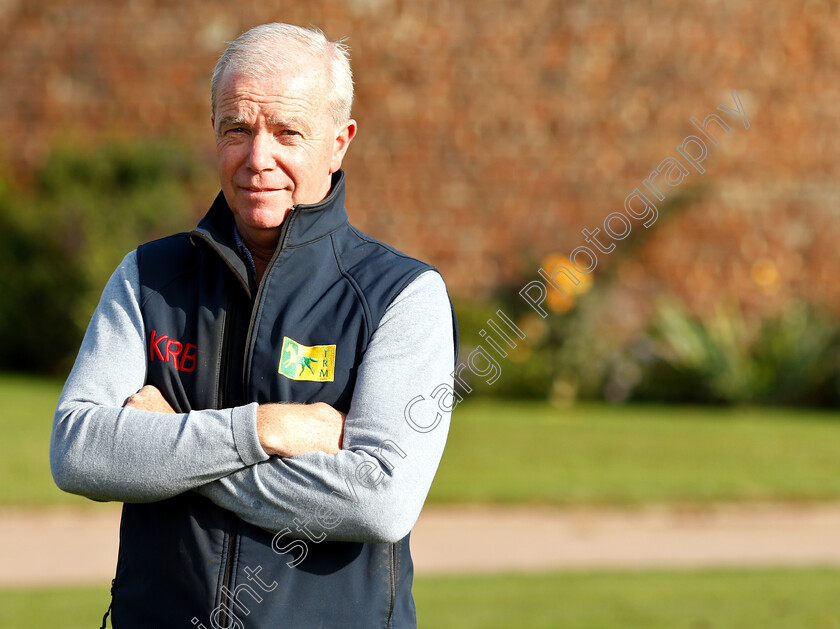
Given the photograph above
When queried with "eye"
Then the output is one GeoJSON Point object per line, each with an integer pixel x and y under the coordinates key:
{"type": "Point", "coordinates": [289, 132]}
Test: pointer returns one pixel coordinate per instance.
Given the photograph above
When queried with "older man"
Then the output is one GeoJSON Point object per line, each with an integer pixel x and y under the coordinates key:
{"type": "Point", "coordinates": [254, 391]}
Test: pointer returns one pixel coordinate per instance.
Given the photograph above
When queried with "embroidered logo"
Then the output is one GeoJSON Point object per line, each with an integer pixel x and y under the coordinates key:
{"type": "Point", "coordinates": [182, 355]}
{"type": "Point", "coordinates": [299, 362]}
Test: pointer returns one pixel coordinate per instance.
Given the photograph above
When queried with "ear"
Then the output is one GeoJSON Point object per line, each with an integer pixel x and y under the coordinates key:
{"type": "Point", "coordinates": [341, 143]}
{"type": "Point", "coordinates": [213, 121]}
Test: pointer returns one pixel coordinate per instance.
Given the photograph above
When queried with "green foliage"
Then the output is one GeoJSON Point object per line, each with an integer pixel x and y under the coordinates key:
{"type": "Point", "coordinates": [523, 373]}
{"type": "Point", "coordinates": [725, 358]}
{"type": "Point", "coordinates": [565, 356]}
{"type": "Point", "coordinates": [62, 239]}
{"type": "Point", "coordinates": [788, 359]}
{"type": "Point", "coordinates": [41, 286]}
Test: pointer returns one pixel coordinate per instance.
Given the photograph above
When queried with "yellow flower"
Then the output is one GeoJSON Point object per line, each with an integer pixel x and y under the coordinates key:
{"type": "Point", "coordinates": [559, 303]}
{"type": "Point", "coordinates": [766, 275]}
{"type": "Point", "coordinates": [555, 300]}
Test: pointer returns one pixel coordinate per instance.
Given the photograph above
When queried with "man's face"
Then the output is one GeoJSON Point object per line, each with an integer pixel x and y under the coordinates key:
{"type": "Point", "coordinates": [277, 146]}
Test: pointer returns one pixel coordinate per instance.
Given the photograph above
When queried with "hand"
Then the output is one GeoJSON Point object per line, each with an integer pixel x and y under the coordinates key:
{"type": "Point", "coordinates": [149, 398]}
{"type": "Point", "coordinates": [292, 429]}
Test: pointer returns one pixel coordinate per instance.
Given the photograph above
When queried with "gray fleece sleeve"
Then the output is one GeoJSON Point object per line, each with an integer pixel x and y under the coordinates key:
{"type": "Point", "coordinates": [106, 452]}
{"type": "Point", "coordinates": [395, 432]}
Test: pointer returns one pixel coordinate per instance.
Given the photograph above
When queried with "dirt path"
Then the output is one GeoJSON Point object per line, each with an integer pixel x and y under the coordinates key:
{"type": "Point", "coordinates": [67, 547]}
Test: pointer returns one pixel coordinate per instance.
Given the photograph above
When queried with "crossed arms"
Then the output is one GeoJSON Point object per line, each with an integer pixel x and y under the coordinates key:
{"type": "Point", "coordinates": [282, 429]}
{"type": "Point", "coordinates": [107, 449]}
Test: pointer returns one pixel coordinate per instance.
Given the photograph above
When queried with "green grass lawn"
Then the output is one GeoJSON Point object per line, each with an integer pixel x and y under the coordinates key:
{"type": "Point", "coordinates": [718, 599]}
{"type": "Point", "coordinates": [529, 452]}
{"type": "Point", "coordinates": [733, 599]}
{"type": "Point", "coordinates": [26, 411]}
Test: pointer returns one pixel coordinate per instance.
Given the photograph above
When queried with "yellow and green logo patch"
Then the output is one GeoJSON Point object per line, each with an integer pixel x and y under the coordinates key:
{"type": "Point", "coordinates": [299, 362]}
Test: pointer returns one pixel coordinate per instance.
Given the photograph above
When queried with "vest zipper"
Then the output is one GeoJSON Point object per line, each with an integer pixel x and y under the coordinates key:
{"type": "Point", "coordinates": [392, 557]}
{"type": "Point", "coordinates": [226, 603]}
{"type": "Point", "coordinates": [281, 243]}
{"type": "Point", "coordinates": [224, 397]}
{"type": "Point", "coordinates": [224, 376]}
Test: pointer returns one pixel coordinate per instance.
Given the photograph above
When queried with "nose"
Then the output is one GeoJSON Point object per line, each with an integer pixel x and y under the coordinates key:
{"type": "Point", "coordinates": [260, 157]}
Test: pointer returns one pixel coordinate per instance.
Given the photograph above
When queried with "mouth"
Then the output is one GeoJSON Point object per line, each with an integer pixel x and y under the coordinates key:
{"type": "Point", "coordinates": [255, 190]}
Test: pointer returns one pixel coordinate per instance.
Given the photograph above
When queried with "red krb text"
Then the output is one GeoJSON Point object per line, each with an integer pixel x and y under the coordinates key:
{"type": "Point", "coordinates": [166, 349]}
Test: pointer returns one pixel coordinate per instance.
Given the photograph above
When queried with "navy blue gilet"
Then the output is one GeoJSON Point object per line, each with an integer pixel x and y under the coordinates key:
{"type": "Point", "coordinates": [214, 340]}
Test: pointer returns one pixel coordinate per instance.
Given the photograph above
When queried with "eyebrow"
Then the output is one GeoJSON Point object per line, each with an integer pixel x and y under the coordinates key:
{"type": "Point", "coordinates": [284, 123]}
{"type": "Point", "coordinates": [288, 123]}
{"type": "Point", "coordinates": [231, 120]}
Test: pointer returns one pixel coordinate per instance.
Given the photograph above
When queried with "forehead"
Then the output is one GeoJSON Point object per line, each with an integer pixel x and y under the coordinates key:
{"type": "Point", "coordinates": [298, 90]}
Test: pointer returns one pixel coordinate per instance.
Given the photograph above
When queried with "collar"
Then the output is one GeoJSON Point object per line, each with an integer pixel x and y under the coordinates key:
{"type": "Point", "coordinates": [303, 224]}
{"type": "Point", "coordinates": [244, 252]}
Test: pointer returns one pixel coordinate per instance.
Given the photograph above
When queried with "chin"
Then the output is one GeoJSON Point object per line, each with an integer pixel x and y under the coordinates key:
{"type": "Point", "coordinates": [263, 217]}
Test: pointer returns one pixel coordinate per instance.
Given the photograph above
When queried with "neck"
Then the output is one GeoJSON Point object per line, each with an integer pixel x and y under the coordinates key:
{"type": "Point", "coordinates": [261, 261]}
{"type": "Point", "coordinates": [261, 249]}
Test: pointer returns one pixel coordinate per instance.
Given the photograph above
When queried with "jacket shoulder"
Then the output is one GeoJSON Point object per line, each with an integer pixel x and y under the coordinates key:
{"type": "Point", "coordinates": [381, 272]}
{"type": "Point", "coordinates": [371, 263]}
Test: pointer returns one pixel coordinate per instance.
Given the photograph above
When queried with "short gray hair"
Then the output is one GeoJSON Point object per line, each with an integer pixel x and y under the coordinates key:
{"type": "Point", "coordinates": [273, 47]}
